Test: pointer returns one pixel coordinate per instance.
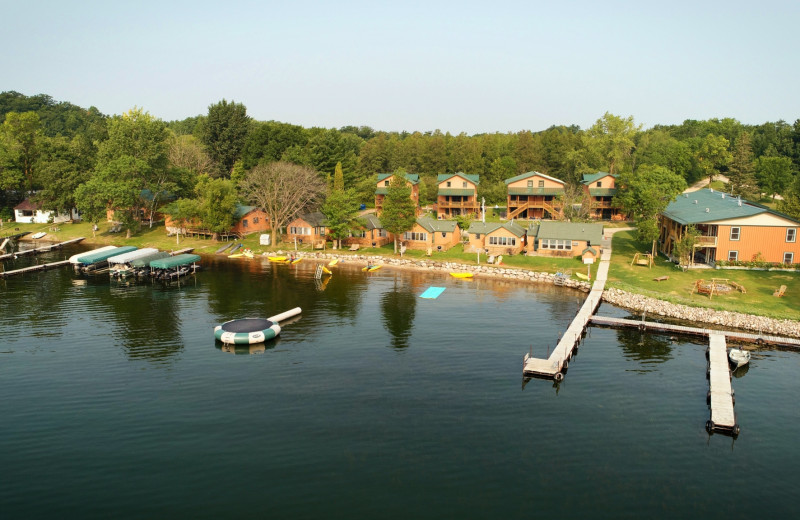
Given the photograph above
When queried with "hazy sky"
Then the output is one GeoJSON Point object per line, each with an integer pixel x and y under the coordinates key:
{"type": "Point", "coordinates": [458, 66]}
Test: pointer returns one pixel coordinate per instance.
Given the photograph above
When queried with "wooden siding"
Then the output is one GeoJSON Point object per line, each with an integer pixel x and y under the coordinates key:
{"type": "Point", "coordinates": [434, 239]}
{"type": "Point", "coordinates": [769, 241]}
{"type": "Point", "coordinates": [503, 250]}
{"type": "Point", "coordinates": [548, 183]}
{"type": "Point", "coordinates": [253, 222]}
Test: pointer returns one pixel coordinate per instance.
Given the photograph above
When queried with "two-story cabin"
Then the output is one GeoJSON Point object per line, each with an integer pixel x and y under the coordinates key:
{"type": "Point", "coordinates": [432, 235]}
{"type": "Point", "coordinates": [384, 179]}
{"type": "Point", "coordinates": [534, 195]}
{"type": "Point", "coordinates": [601, 187]}
{"type": "Point", "coordinates": [730, 228]}
{"type": "Point", "coordinates": [458, 195]}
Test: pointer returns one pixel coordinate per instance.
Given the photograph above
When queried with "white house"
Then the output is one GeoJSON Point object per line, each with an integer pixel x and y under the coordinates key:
{"type": "Point", "coordinates": [29, 212]}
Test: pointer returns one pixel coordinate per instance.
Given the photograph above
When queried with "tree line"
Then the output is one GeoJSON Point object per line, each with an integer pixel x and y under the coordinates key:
{"type": "Point", "coordinates": [71, 157]}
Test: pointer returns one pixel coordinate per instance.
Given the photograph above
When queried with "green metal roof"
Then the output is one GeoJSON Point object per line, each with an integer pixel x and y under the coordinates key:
{"type": "Point", "coordinates": [241, 211]}
{"type": "Point", "coordinates": [174, 261]}
{"type": "Point", "coordinates": [711, 206]}
{"type": "Point", "coordinates": [315, 219]}
{"type": "Point", "coordinates": [589, 178]}
{"type": "Point", "coordinates": [472, 178]}
{"type": "Point", "coordinates": [592, 233]}
{"type": "Point", "coordinates": [602, 192]}
{"type": "Point", "coordinates": [463, 192]}
{"type": "Point", "coordinates": [514, 228]}
{"type": "Point", "coordinates": [532, 174]}
{"type": "Point", "coordinates": [145, 260]}
{"type": "Point", "coordinates": [370, 221]}
{"type": "Point", "coordinates": [535, 191]}
{"type": "Point", "coordinates": [382, 191]}
{"type": "Point", "coordinates": [433, 226]}
{"type": "Point", "coordinates": [413, 178]}
{"type": "Point", "coordinates": [102, 256]}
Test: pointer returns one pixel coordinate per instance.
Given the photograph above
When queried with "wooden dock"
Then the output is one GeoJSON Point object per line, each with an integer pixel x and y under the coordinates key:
{"type": "Point", "coordinates": [720, 392]}
{"type": "Point", "coordinates": [182, 251]}
{"type": "Point", "coordinates": [42, 249]}
{"type": "Point", "coordinates": [33, 268]}
{"type": "Point", "coordinates": [555, 365]}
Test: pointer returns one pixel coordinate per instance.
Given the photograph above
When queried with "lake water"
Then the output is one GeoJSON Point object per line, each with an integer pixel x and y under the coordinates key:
{"type": "Point", "coordinates": [115, 402]}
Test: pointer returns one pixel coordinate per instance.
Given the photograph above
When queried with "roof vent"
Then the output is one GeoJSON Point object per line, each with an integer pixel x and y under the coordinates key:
{"type": "Point", "coordinates": [711, 190]}
{"type": "Point", "coordinates": [723, 195]}
{"type": "Point", "coordinates": [740, 203]}
{"type": "Point", "coordinates": [695, 201]}
{"type": "Point", "coordinates": [686, 195]}
{"type": "Point", "coordinates": [707, 210]}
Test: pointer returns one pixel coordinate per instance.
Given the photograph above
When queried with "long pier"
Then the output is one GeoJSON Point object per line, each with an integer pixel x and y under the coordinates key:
{"type": "Point", "coordinates": [554, 366]}
{"type": "Point", "coordinates": [33, 268]}
{"type": "Point", "coordinates": [720, 393]}
{"type": "Point", "coordinates": [42, 249]}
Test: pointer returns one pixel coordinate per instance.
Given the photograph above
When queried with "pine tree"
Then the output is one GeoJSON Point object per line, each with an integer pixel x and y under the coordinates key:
{"type": "Point", "coordinates": [340, 208]}
{"type": "Point", "coordinates": [741, 170]}
{"type": "Point", "coordinates": [399, 209]}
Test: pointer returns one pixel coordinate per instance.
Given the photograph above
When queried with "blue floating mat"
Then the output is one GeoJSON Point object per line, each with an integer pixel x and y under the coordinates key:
{"type": "Point", "coordinates": [432, 292]}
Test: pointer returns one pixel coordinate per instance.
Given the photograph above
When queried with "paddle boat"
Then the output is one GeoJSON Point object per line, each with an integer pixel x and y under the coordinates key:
{"type": "Point", "coordinates": [462, 275]}
{"type": "Point", "coordinates": [739, 357]}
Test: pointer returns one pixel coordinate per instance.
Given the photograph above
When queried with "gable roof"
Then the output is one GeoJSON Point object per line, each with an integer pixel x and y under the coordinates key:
{"type": "Point", "coordinates": [413, 178]}
{"type": "Point", "coordinates": [315, 219]}
{"type": "Point", "coordinates": [241, 211]}
{"type": "Point", "coordinates": [589, 178]}
{"type": "Point", "coordinates": [591, 233]}
{"type": "Point", "coordinates": [370, 221]}
{"type": "Point", "coordinates": [532, 174]}
{"type": "Point", "coordinates": [432, 226]}
{"type": "Point", "coordinates": [477, 227]}
{"type": "Point", "coordinates": [475, 179]}
{"type": "Point", "coordinates": [711, 206]}
{"type": "Point", "coordinates": [27, 205]}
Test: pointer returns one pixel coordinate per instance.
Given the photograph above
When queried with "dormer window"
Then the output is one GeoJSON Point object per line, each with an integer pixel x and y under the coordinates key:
{"type": "Point", "coordinates": [599, 184]}
{"type": "Point", "coordinates": [385, 183]}
{"type": "Point", "coordinates": [541, 184]}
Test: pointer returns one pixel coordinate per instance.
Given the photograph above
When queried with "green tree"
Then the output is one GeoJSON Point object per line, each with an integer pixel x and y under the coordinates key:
{"type": "Point", "coordinates": [112, 187]}
{"type": "Point", "coordinates": [224, 133]}
{"type": "Point", "coordinates": [713, 155]}
{"type": "Point", "coordinates": [774, 174]}
{"type": "Point", "coordinates": [20, 136]}
{"type": "Point", "coordinates": [741, 170]}
{"type": "Point", "coordinates": [684, 247]}
{"type": "Point", "coordinates": [613, 138]}
{"type": "Point", "coordinates": [64, 165]}
{"type": "Point", "coordinates": [283, 191]}
{"type": "Point", "coordinates": [790, 204]}
{"type": "Point", "coordinates": [399, 209]}
{"type": "Point", "coordinates": [183, 212]}
{"type": "Point", "coordinates": [645, 194]}
{"type": "Point", "coordinates": [216, 204]}
{"type": "Point", "coordinates": [340, 208]}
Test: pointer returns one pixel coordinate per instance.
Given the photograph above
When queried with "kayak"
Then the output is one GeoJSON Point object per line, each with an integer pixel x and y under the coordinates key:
{"type": "Point", "coordinates": [326, 270]}
{"type": "Point", "coordinates": [276, 258]}
{"type": "Point", "coordinates": [371, 268]}
{"type": "Point", "coordinates": [462, 275]}
{"type": "Point", "coordinates": [582, 276]}
{"type": "Point", "coordinates": [333, 262]}
{"type": "Point", "coordinates": [296, 260]}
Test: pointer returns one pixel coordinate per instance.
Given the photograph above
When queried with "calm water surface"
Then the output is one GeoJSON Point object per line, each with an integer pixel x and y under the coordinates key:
{"type": "Point", "coordinates": [115, 401]}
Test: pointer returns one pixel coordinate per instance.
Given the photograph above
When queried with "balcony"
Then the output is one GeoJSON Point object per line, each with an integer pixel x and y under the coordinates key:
{"type": "Point", "coordinates": [470, 204]}
{"type": "Point", "coordinates": [706, 242]}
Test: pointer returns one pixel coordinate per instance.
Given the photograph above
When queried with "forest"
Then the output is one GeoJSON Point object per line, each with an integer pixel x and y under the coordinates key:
{"type": "Point", "coordinates": [67, 156]}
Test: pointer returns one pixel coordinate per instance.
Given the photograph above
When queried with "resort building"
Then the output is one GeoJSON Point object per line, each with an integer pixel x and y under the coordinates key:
{"type": "Point", "coordinates": [534, 195]}
{"type": "Point", "coordinates": [458, 195]}
{"type": "Point", "coordinates": [384, 179]}
{"type": "Point", "coordinates": [369, 234]}
{"type": "Point", "coordinates": [567, 239]}
{"type": "Point", "coordinates": [247, 219]}
{"type": "Point", "coordinates": [432, 235]}
{"type": "Point", "coordinates": [730, 228]}
{"type": "Point", "coordinates": [600, 188]}
{"type": "Point", "coordinates": [494, 238]}
{"type": "Point", "coordinates": [30, 212]}
{"type": "Point", "coordinates": [308, 229]}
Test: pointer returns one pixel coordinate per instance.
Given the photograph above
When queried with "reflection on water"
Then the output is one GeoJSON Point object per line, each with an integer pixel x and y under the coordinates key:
{"type": "Point", "coordinates": [398, 307]}
{"type": "Point", "coordinates": [645, 348]}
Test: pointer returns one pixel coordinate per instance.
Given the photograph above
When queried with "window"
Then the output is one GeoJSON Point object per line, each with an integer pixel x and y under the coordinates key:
{"type": "Point", "coordinates": [502, 241]}
{"type": "Point", "coordinates": [358, 233]}
{"type": "Point", "coordinates": [599, 184]}
{"type": "Point", "coordinates": [244, 223]}
{"type": "Point", "coordinates": [444, 235]}
{"type": "Point", "coordinates": [788, 258]}
{"type": "Point", "coordinates": [296, 230]}
{"type": "Point", "coordinates": [735, 232]}
{"type": "Point", "coordinates": [382, 233]}
{"type": "Point", "coordinates": [541, 184]}
{"type": "Point", "coordinates": [421, 237]}
{"type": "Point", "coordinates": [385, 183]}
{"type": "Point", "coordinates": [448, 184]}
{"type": "Point", "coordinates": [478, 236]}
{"type": "Point", "coordinates": [733, 256]}
{"type": "Point", "coordinates": [552, 243]}
{"type": "Point", "coordinates": [791, 234]}
{"type": "Point", "coordinates": [464, 184]}
{"type": "Point", "coordinates": [255, 220]}
{"type": "Point", "coordinates": [530, 184]}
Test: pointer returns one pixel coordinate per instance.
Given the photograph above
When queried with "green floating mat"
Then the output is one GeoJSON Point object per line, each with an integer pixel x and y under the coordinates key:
{"type": "Point", "coordinates": [432, 292]}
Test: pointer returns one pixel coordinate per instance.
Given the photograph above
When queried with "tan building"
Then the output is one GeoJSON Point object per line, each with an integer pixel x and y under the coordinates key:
{"type": "Point", "coordinates": [385, 179]}
{"type": "Point", "coordinates": [370, 233]}
{"type": "Point", "coordinates": [247, 219]}
{"type": "Point", "coordinates": [565, 239]}
{"type": "Point", "coordinates": [458, 195]}
{"type": "Point", "coordinates": [308, 229]}
{"type": "Point", "coordinates": [601, 187]}
{"type": "Point", "coordinates": [494, 238]}
{"type": "Point", "coordinates": [731, 229]}
{"type": "Point", "coordinates": [534, 195]}
{"type": "Point", "coordinates": [432, 235]}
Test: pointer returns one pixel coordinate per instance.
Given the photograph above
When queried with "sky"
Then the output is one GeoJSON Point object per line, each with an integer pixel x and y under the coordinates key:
{"type": "Point", "coordinates": [460, 66]}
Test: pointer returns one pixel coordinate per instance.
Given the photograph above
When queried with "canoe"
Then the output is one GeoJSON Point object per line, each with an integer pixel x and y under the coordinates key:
{"type": "Point", "coordinates": [276, 258]}
{"type": "Point", "coordinates": [462, 275]}
{"type": "Point", "coordinates": [333, 262]}
{"type": "Point", "coordinates": [582, 276]}
{"type": "Point", "coordinates": [223, 248]}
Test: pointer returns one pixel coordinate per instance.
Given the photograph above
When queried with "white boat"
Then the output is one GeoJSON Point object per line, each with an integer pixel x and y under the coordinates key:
{"type": "Point", "coordinates": [37, 236]}
{"type": "Point", "coordinates": [739, 357]}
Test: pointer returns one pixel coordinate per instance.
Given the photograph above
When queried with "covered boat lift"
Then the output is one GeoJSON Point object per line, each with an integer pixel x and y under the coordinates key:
{"type": "Point", "coordinates": [120, 265]}
{"type": "Point", "coordinates": [174, 266]}
{"type": "Point", "coordinates": [98, 259]}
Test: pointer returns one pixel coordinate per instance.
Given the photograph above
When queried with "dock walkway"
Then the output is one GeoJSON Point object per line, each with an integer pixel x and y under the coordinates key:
{"type": "Point", "coordinates": [33, 268]}
{"type": "Point", "coordinates": [720, 392]}
{"type": "Point", "coordinates": [38, 250]}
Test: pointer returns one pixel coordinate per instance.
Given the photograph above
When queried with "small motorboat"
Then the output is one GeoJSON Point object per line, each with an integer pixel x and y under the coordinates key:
{"type": "Point", "coordinates": [462, 275]}
{"type": "Point", "coordinates": [739, 357]}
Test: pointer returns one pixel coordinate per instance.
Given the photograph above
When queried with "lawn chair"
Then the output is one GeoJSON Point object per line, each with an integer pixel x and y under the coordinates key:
{"type": "Point", "coordinates": [780, 292]}
{"type": "Point", "coordinates": [354, 247]}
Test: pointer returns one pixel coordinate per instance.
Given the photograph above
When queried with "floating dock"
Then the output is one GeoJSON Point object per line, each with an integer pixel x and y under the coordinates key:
{"type": "Point", "coordinates": [42, 249]}
{"type": "Point", "coordinates": [720, 393]}
{"type": "Point", "coordinates": [33, 268]}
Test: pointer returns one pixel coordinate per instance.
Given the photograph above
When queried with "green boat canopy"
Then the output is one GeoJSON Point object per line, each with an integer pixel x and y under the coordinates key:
{"type": "Point", "coordinates": [102, 256]}
{"type": "Point", "coordinates": [145, 260]}
{"type": "Point", "coordinates": [174, 261]}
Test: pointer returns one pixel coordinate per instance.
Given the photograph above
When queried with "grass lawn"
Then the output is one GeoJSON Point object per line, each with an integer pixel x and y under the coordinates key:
{"type": "Point", "coordinates": [678, 289]}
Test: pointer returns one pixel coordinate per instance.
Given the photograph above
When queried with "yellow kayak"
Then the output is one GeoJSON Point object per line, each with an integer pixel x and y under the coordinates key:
{"type": "Point", "coordinates": [462, 275]}
{"type": "Point", "coordinates": [326, 270]}
{"type": "Point", "coordinates": [372, 268]}
{"type": "Point", "coordinates": [333, 262]}
{"type": "Point", "coordinates": [296, 260]}
{"type": "Point", "coordinates": [582, 276]}
{"type": "Point", "coordinates": [276, 258]}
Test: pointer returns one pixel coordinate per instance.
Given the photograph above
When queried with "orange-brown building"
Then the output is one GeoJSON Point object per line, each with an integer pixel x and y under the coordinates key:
{"type": "Point", "coordinates": [384, 179]}
{"type": "Point", "coordinates": [534, 195]}
{"type": "Point", "coordinates": [432, 235]}
{"type": "Point", "coordinates": [458, 195]}
{"type": "Point", "coordinates": [601, 187]}
{"type": "Point", "coordinates": [308, 229]}
{"type": "Point", "coordinates": [731, 229]}
{"type": "Point", "coordinates": [494, 238]}
{"type": "Point", "coordinates": [566, 239]}
{"type": "Point", "coordinates": [247, 219]}
{"type": "Point", "coordinates": [370, 233]}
